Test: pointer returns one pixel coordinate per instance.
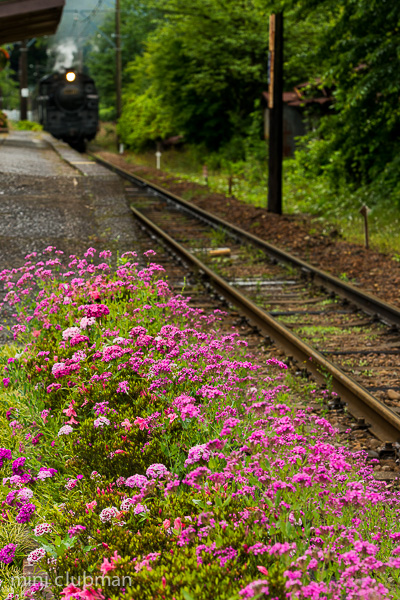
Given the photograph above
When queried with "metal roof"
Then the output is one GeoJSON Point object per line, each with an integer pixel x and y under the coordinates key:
{"type": "Point", "coordinates": [298, 98]}
{"type": "Point", "coordinates": [24, 19]}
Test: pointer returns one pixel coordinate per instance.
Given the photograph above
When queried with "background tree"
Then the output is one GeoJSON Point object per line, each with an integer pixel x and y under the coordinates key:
{"type": "Point", "coordinates": [137, 20]}
{"type": "Point", "coordinates": [205, 67]}
{"type": "Point", "coordinates": [361, 51]}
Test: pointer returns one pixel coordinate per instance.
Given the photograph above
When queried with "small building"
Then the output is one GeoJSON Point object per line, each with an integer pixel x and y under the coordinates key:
{"type": "Point", "coordinates": [302, 110]}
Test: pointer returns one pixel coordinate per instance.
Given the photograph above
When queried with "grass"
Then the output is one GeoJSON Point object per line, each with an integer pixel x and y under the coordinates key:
{"type": "Point", "coordinates": [25, 126]}
{"type": "Point", "coordinates": [333, 213]}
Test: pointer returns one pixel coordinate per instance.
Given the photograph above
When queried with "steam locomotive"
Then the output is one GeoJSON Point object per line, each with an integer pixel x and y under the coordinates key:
{"type": "Point", "coordinates": [67, 106]}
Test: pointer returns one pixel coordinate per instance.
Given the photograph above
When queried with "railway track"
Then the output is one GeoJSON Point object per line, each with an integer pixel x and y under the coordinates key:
{"type": "Point", "coordinates": [333, 330]}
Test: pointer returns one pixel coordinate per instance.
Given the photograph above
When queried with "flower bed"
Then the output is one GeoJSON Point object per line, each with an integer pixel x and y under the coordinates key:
{"type": "Point", "coordinates": [146, 458]}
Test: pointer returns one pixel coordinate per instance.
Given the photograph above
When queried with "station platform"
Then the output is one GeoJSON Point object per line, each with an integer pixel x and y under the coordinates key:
{"type": "Point", "coordinates": [51, 195]}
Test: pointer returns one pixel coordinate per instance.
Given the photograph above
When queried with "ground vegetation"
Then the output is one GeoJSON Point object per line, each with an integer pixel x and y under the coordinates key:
{"type": "Point", "coordinates": [145, 454]}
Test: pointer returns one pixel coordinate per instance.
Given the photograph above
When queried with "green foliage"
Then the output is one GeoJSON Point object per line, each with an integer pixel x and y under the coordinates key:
{"type": "Point", "coordinates": [361, 58]}
{"type": "Point", "coordinates": [136, 23]}
{"type": "Point", "coordinates": [205, 65]}
{"type": "Point", "coordinates": [182, 572]}
{"type": "Point", "coordinates": [145, 119]}
{"type": "Point", "coordinates": [196, 71]}
{"type": "Point", "coordinates": [18, 534]}
{"type": "Point", "coordinates": [27, 126]}
{"type": "Point", "coordinates": [9, 89]}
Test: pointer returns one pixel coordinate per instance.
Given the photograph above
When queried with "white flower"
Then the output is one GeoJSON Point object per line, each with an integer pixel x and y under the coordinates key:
{"type": "Point", "coordinates": [25, 494]}
{"type": "Point", "coordinates": [127, 504]}
{"type": "Point", "coordinates": [42, 528]}
{"type": "Point", "coordinates": [100, 422]}
{"type": "Point", "coordinates": [65, 430]}
{"type": "Point", "coordinates": [70, 332]}
{"type": "Point", "coordinates": [36, 555]}
{"type": "Point", "coordinates": [107, 514]}
{"type": "Point", "coordinates": [87, 322]}
{"type": "Point", "coordinates": [44, 474]}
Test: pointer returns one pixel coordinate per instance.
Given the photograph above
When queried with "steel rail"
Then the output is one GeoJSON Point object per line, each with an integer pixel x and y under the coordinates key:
{"type": "Point", "coordinates": [385, 423]}
{"type": "Point", "coordinates": [366, 302]}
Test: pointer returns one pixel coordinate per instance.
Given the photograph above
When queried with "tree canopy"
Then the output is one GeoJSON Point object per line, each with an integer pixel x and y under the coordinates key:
{"type": "Point", "coordinates": [198, 69]}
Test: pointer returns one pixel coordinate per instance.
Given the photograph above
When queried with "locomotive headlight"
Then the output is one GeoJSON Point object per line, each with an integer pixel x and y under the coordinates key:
{"type": "Point", "coordinates": [70, 76]}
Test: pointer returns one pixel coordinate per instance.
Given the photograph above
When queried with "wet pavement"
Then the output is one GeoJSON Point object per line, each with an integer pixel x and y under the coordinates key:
{"type": "Point", "coordinates": [52, 195]}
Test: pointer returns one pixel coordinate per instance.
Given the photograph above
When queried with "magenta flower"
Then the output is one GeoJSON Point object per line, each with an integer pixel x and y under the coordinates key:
{"type": "Point", "coordinates": [157, 470]}
{"type": "Point", "coordinates": [25, 513]}
{"type": "Point", "coordinates": [126, 424]}
{"type": "Point", "coordinates": [136, 481]}
{"type": "Point", "coordinates": [123, 387]}
{"type": "Point", "coordinates": [7, 554]}
{"type": "Point", "coordinates": [95, 310]}
{"type": "Point", "coordinates": [5, 454]}
{"type": "Point", "coordinates": [75, 529]}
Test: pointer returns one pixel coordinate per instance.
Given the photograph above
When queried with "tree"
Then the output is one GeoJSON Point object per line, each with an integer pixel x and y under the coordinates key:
{"type": "Point", "coordinates": [9, 89]}
{"type": "Point", "coordinates": [136, 23]}
{"type": "Point", "coordinates": [361, 62]}
{"type": "Point", "coordinates": [207, 64]}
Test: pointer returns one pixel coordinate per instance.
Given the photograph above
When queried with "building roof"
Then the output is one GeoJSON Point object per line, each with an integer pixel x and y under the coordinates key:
{"type": "Point", "coordinates": [298, 98]}
{"type": "Point", "coordinates": [24, 19]}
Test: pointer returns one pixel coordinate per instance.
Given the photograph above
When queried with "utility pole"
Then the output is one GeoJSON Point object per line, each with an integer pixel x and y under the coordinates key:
{"type": "Point", "coordinates": [118, 62]}
{"type": "Point", "coordinates": [80, 57]}
{"type": "Point", "coordinates": [275, 106]}
{"type": "Point", "coordinates": [23, 81]}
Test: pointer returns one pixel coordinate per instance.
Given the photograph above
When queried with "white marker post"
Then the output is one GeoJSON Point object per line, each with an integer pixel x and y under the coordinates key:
{"type": "Point", "coordinates": [158, 159]}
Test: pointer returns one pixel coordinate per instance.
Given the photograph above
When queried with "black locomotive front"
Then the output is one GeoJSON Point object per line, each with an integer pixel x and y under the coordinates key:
{"type": "Point", "coordinates": [67, 106]}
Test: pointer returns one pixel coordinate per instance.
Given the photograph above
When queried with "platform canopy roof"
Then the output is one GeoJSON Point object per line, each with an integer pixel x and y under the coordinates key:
{"type": "Point", "coordinates": [24, 19]}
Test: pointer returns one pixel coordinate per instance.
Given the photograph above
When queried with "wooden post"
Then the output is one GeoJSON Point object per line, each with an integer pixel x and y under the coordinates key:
{"type": "Point", "coordinates": [23, 81]}
{"type": "Point", "coordinates": [364, 210]}
{"type": "Point", "coordinates": [118, 63]}
{"type": "Point", "coordinates": [275, 106]}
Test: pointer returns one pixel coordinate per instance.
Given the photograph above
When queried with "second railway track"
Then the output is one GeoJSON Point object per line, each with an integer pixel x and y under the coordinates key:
{"type": "Point", "coordinates": [289, 301]}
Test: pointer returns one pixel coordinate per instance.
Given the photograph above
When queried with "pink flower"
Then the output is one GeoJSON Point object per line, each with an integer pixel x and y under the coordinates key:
{"type": "Point", "coordinates": [262, 570]}
{"type": "Point", "coordinates": [141, 422]}
{"type": "Point", "coordinates": [70, 410]}
{"type": "Point", "coordinates": [44, 414]}
{"type": "Point", "coordinates": [166, 524]}
{"type": "Point", "coordinates": [72, 421]}
{"type": "Point", "coordinates": [91, 505]}
{"type": "Point", "coordinates": [178, 523]}
{"type": "Point", "coordinates": [126, 424]}
{"type": "Point", "coordinates": [70, 590]}
{"type": "Point", "coordinates": [92, 595]}
{"type": "Point", "coordinates": [106, 566]}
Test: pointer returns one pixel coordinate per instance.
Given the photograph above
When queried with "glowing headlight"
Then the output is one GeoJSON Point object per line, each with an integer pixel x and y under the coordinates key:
{"type": "Point", "coordinates": [70, 76]}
